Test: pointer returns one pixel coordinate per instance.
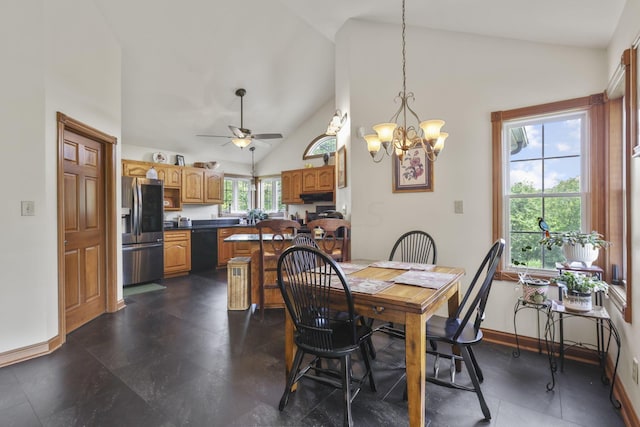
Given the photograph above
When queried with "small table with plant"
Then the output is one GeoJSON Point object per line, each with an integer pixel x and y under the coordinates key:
{"type": "Point", "coordinates": [576, 288]}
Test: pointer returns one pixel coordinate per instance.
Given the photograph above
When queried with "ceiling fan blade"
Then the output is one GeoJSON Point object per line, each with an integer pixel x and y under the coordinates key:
{"type": "Point", "coordinates": [237, 132]}
{"type": "Point", "coordinates": [215, 136]}
{"type": "Point", "coordinates": [267, 136]}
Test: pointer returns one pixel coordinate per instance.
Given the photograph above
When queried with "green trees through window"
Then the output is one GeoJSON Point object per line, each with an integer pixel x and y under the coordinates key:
{"type": "Point", "coordinates": [544, 181]}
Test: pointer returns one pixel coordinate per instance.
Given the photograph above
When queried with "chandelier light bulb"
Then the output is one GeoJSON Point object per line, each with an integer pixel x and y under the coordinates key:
{"type": "Point", "coordinates": [431, 129]}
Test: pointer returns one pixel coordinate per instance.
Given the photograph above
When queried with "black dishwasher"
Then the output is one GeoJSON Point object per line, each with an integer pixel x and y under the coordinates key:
{"type": "Point", "coordinates": [204, 249]}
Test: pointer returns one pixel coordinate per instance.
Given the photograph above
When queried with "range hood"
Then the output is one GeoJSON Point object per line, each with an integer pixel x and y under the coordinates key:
{"type": "Point", "coordinates": [317, 197]}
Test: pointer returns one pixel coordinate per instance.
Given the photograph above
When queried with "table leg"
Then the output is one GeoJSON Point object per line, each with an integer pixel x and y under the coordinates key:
{"type": "Point", "coordinates": [453, 305]}
{"type": "Point", "coordinates": [415, 349]}
{"type": "Point", "coordinates": [289, 346]}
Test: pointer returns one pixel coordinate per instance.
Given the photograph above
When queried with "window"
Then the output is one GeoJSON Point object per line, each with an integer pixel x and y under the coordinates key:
{"type": "Point", "coordinates": [237, 195]}
{"type": "Point", "coordinates": [544, 166]}
{"type": "Point", "coordinates": [321, 145]}
{"type": "Point", "coordinates": [271, 195]}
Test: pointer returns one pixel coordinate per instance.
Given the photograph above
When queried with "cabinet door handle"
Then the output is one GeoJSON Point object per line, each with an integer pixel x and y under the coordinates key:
{"type": "Point", "coordinates": [378, 309]}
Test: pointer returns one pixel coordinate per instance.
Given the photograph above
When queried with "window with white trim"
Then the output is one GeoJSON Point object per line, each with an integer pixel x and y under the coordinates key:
{"type": "Point", "coordinates": [271, 195]}
{"type": "Point", "coordinates": [237, 195]}
{"type": "Point", "coordinates": [544, 168]}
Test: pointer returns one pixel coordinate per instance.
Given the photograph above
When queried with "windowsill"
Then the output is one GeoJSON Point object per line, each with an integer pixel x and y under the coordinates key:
{"type": "Point", "coordinates": [618, 296]}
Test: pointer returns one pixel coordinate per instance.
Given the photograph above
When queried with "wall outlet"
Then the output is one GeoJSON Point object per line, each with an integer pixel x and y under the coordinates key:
{"type": "Point", "coordinates": [634, 370]}
{"type": "Point", "coordinates": [458, 207]}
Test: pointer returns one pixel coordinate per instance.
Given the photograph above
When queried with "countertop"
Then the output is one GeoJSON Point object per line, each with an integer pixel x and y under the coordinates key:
{"type": "Point", "coordinates": [253, 237]}
{"type": "Point", "coordinates": [197, 224]}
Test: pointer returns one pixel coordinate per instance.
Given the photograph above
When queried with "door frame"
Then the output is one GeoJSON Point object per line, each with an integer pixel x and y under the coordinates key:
{"type": "Point", "coordinates": [110, 227]}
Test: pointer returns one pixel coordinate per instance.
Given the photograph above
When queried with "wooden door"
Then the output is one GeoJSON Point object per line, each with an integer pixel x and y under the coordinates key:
{"type": "Point", "coordinates": [84, 230]}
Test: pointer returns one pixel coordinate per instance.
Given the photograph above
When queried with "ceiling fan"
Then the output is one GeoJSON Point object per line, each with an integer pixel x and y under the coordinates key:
{"type": "Point", "coordinates": [241, 135]}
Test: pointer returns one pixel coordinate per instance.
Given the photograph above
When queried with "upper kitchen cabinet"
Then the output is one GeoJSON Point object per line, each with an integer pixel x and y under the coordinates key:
{"type": "Point", "coordinates": [292, 187]}
{"type": "Point", "coordinates": [171, 175]}
{"type": "Point", "coordinates": [202, 186]}
{"type": "Point", "coordinates": [316, 180]}
{"type": "Point", "coordinates": [213, 187]}
{"type": "Point", "coordinates": [192, 185]}
{"type": "Point", "coordinates": [181, 184]}
{"type": "Point", "coordinates": [306, 181]}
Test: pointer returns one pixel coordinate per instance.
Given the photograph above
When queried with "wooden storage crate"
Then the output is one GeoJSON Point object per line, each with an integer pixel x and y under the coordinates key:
{"type": "Point", "coordinates": [238, 278]}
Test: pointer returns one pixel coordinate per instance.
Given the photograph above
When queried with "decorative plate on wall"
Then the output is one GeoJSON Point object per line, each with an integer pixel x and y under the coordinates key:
{"type": "Point", "coordinates": [159, 157]}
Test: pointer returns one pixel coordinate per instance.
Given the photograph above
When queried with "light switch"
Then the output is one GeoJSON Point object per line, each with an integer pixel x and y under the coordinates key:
{"type": "Point", "coordinates": [457, 207]}
{"type": "Point", "coordinates": [28, 207]}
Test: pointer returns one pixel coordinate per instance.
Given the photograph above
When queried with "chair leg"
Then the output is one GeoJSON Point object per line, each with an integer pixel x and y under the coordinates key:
{"type": "Point", "coordinates": [474, 379]}
{"type": "Point", "coordinates": [345, 367]}
{"type": "Point", "coordinates": [292, 378]}
{"type": "Point", "coordinates": [475, 365]}
{"type": "Point", "coordinates": [367, 364]}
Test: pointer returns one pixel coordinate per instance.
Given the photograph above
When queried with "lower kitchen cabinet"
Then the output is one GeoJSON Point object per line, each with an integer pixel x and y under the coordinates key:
{"type": "Point", "coordinates": [228, 250]}
{"type": "Point", "coordinates": [177, 253]}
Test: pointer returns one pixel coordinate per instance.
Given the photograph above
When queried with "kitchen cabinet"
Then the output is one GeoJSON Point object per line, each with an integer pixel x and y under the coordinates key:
{"type": "Point", "coordinates": [171, 175]}
{"type": "Point", "coordinates": [202, 186]}
{"type": "Point", "coordinates": [228, 250]}
{"type": "Point", "coordinates": [213, 187]}
{"type": "Point", "coordinates": [177, 253]}
{"type": "Point", "coordinates": [292, 187]}
{"type": "Point", "coordinates": [308, 180]}
{"type": "Point", "coordinates": [192, 185]}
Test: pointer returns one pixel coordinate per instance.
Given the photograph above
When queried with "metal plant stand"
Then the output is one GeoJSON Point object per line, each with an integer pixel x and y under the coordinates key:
{"type": "Point", "coordinates": [524, 304]}
{"type": "Point", "coordinates": [602, 320]}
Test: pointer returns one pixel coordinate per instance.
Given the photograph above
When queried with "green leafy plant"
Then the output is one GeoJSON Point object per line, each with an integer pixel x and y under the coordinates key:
{"type": "Point", "coordinates": [575, 238]}
{"type": "Point", "coordinates": [256, 214]}
{"type": "Point", "coordinates": [581, 282]}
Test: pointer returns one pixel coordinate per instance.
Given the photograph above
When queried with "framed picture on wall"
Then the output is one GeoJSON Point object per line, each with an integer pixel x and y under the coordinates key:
{"type": "Point", "coordinates": [341, 167]}
{"type": "Point", "coordinates": [179, 160]}
{"type": "Point", "coordinates": [414, 173]}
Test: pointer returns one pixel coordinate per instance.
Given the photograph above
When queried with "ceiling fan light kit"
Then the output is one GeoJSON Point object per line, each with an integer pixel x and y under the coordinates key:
{"type": "Point", "coordinates": [242, 136]}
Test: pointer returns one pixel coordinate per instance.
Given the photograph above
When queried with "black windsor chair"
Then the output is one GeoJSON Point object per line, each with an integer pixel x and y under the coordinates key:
{"type": "Point", "coordinates": [463, 330]}
{"type": "Point", "coordinates": [305, 277]}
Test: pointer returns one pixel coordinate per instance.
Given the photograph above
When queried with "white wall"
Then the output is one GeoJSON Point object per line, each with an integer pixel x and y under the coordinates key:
{"type": "Point", "coordinates": [288, 154]}
{"type": "Point", "coordinates": [628, 30]}
{"type": "Point", "coordinates": [57, 57]}
{"type": "Point", "coordinates": [461, 79]}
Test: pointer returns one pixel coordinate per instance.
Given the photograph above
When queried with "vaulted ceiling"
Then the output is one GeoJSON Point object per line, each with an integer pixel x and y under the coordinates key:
{"type": "Point", "coordinates": [183, 61]}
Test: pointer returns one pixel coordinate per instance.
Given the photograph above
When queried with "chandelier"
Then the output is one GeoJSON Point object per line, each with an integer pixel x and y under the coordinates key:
{"type": "Point", "coordinates": [397, 135]}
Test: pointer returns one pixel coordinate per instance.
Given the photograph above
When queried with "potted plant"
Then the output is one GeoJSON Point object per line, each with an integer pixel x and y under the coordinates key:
{"type": "Point", "coordinates": [577, 246]}
{"type": "Point", "coordinates": [255, 215]}
{"type": "Point", "coordinates": [534, 290]}
{"type": "Point", "coordinates": [577, 289]}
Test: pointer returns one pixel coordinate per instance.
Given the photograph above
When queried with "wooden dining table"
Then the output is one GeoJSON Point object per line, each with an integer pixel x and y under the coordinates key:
{"type": "Point", "coordinates": [403, 304]}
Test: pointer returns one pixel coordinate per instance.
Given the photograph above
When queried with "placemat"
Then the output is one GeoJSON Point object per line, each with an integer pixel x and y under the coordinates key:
{"type": "Point", "coordinates": [424, 279]}
{"type": "Point", "coordinates": [399, 265]}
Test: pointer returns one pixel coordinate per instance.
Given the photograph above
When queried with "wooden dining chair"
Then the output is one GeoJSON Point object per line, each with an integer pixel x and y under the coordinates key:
{"type": "Point", "coordinates": [463, 328]}
{"type": "Point", "coordinates": [273, 241]}
{"type": "Point", "coordinates": [306, 277]}
{"type": "Point", "coordinates": [335, 237]}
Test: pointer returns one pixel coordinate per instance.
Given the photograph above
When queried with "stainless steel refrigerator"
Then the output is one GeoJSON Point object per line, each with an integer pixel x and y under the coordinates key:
{"type": "Point", "coordinates": [142, 230]}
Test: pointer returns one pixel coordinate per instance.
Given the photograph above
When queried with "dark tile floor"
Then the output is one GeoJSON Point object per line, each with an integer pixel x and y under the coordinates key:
{"type": "Point", "coordinates": [178, 357]}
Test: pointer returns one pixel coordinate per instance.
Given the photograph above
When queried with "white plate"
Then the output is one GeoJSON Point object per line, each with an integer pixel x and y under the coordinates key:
{"type": "Point", "coordinates": [159, 157]}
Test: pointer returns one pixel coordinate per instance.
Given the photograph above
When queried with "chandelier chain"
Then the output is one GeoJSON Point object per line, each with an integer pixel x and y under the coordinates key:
{"type": "Point", "coordinates": [404, 54]}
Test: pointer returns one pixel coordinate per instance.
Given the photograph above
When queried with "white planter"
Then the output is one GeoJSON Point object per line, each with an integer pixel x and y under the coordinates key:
{"type": "Point", "coordinates": [535, 290]}
{"type": "Point", "coordinates": [583, 254]}
{"type": "Point", "coordinates": [575, 301]}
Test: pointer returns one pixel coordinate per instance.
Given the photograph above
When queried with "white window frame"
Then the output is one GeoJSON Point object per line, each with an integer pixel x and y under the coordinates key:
{"type": "Point", "coordinates": [234, 209]}
{"type": "Point", "coordinates": [277, 195]}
